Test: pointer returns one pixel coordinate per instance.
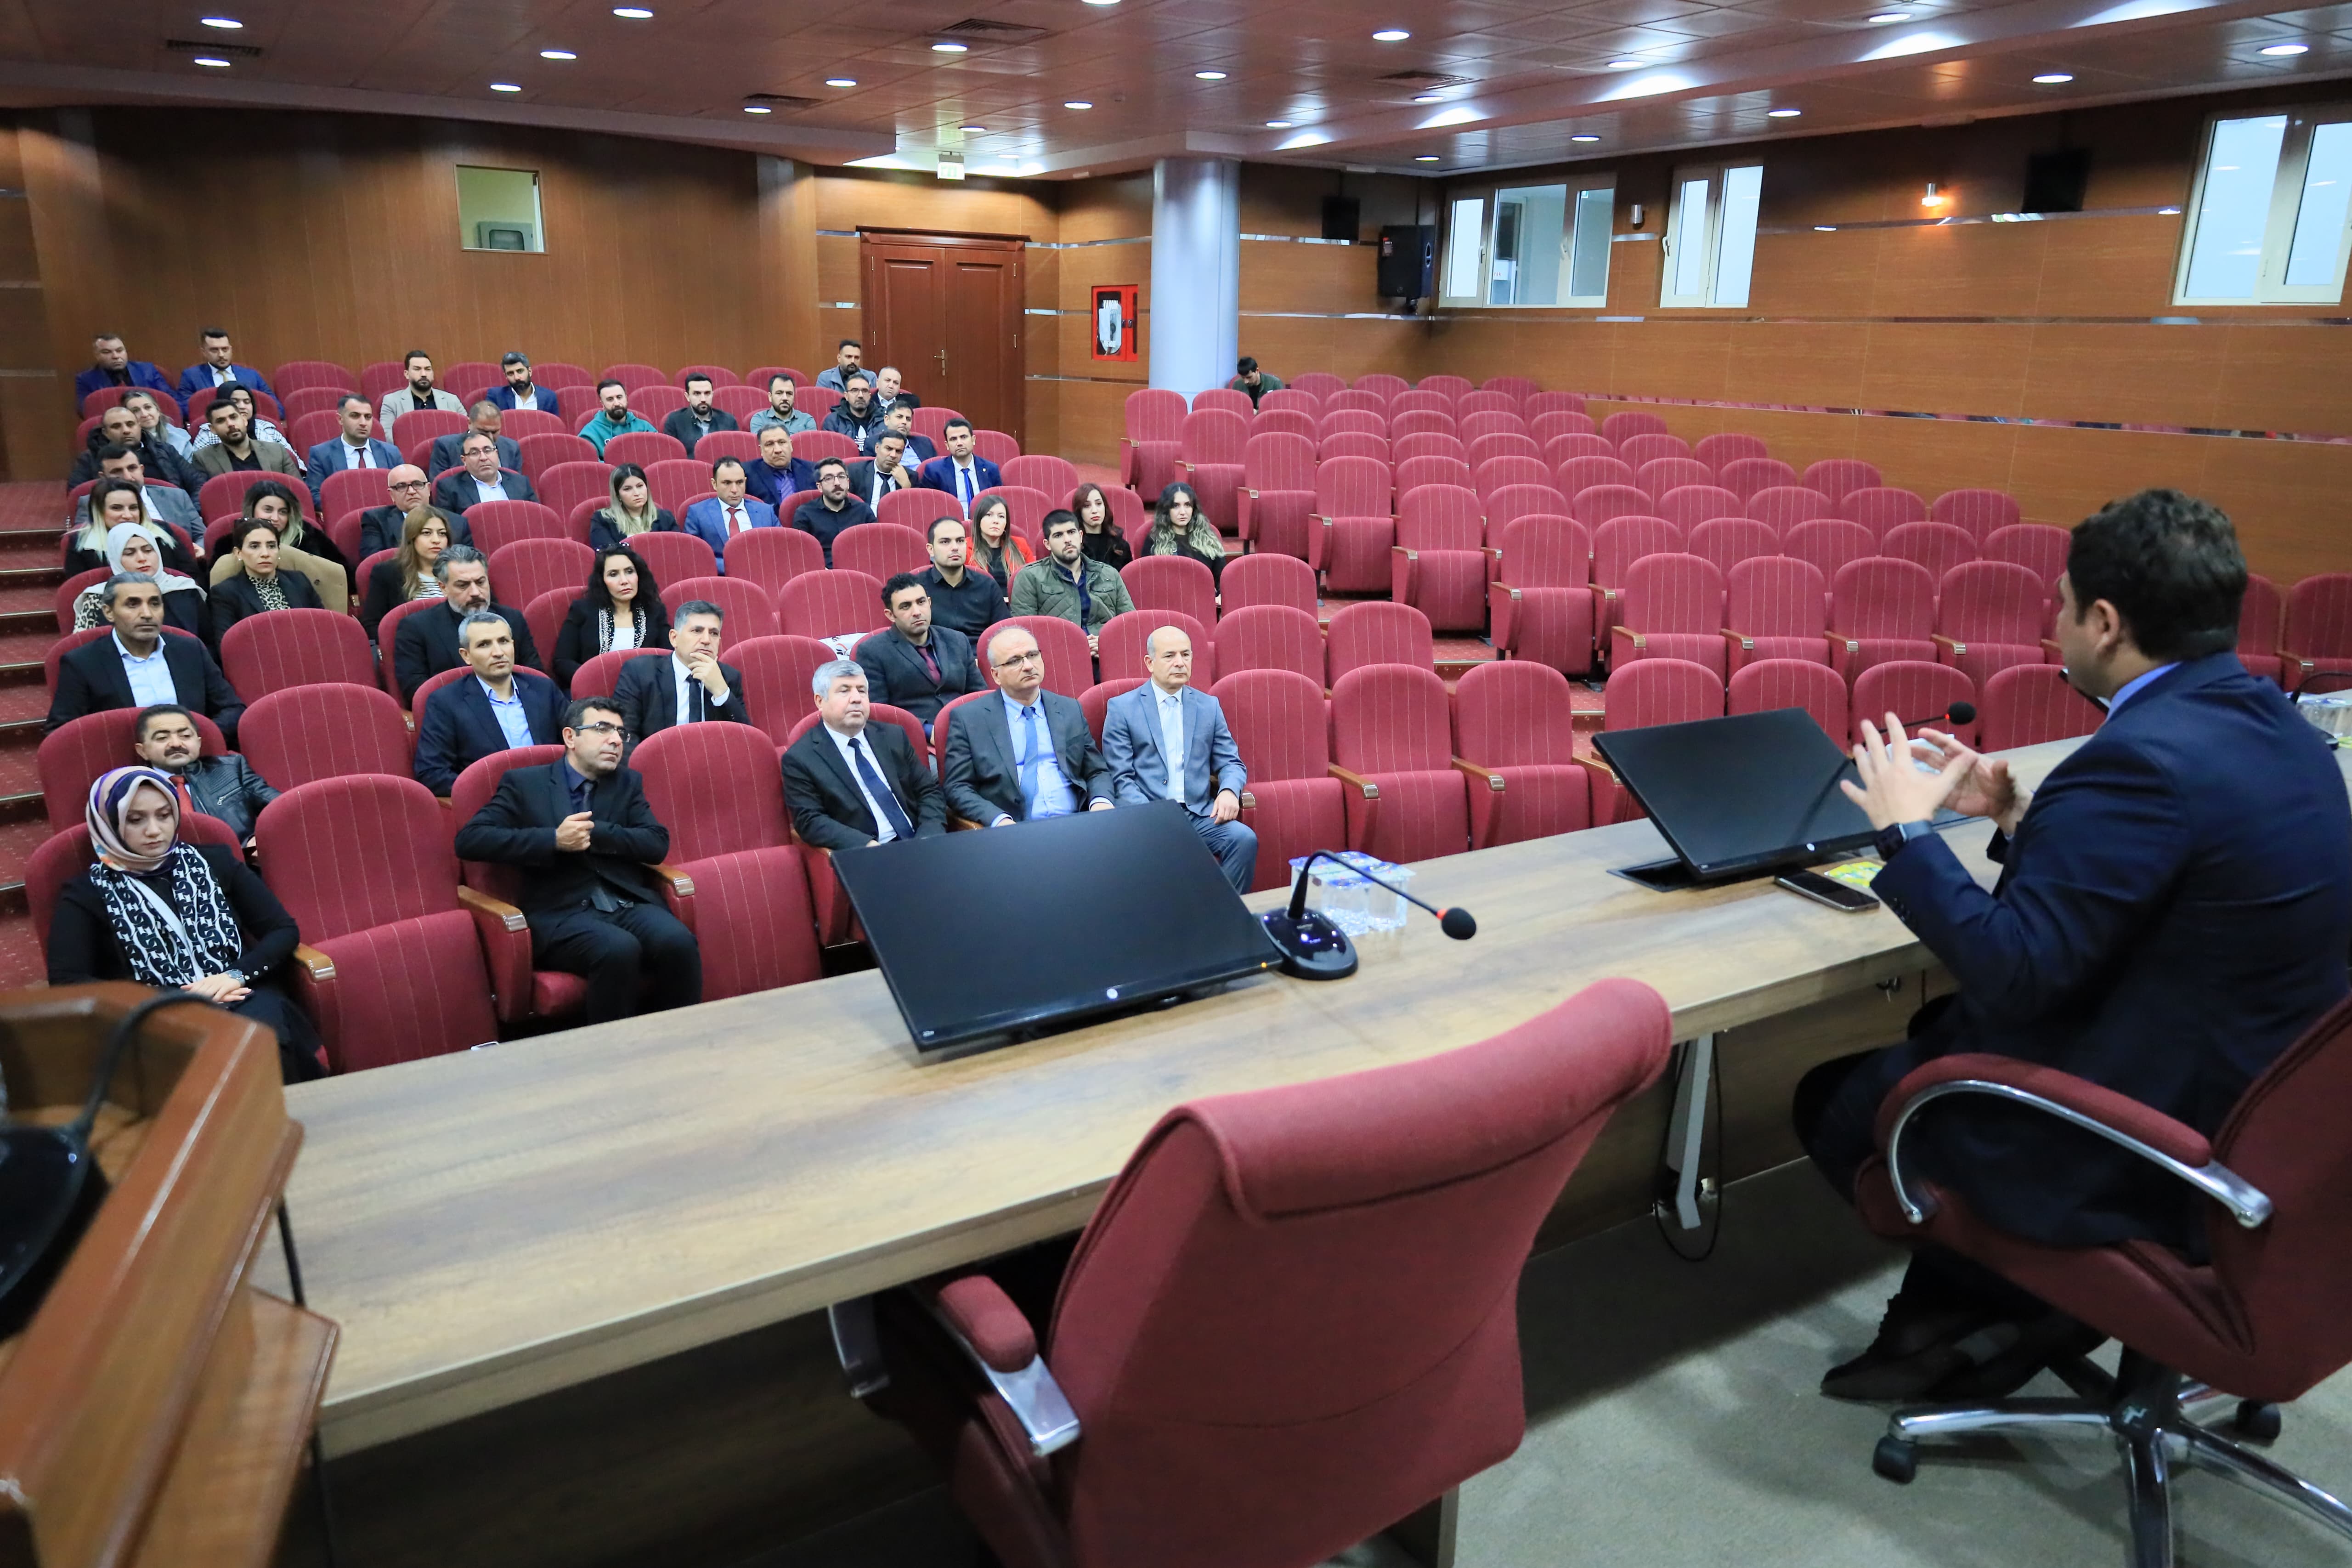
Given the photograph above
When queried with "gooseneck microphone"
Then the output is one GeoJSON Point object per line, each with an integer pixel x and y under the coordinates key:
{"type": "Point", "coordinates": [1313, 948]}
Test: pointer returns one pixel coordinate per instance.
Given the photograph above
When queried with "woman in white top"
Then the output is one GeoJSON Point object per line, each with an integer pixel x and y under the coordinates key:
{"type": "Point", "coordinates": [130, 548]}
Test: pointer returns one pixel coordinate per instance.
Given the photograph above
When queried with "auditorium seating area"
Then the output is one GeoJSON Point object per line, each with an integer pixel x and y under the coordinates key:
{"type": "Point", "coordinates": [1577, 573]}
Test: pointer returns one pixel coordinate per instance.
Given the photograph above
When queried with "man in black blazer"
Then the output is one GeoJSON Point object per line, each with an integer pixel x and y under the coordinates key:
{"type": "Point", "coordinates": [2173, 909]}
{"type": "Point", "coordinates": [886, 470]}
{"type": "Point", "coordinates": [899, 417]}
{"type": "Point", "coordinates": [426, 643]}
{"type": "Point", "coordinates": [448, 451]}
{"type": "Point", "coordinates": [498, 709]}
{"type": "Point", "coordinates": [1026, 752]}
{"type": "Point", "coordinates": [139, 667]}
{"type": "Point", "coordinates": [580, 827]}
{"type": "Point", "coordinates": [915, 664]}
{"type": "Point", "coordinates": [380, 526]}
{"type": "Point", "coordinates": [685, 686]}
{"type": "Point", "coordinates": [481, 476]}
{"type": "Point", "coordinates": [851, 783]}
{"type": "Point", "coordinates": [689, 425]}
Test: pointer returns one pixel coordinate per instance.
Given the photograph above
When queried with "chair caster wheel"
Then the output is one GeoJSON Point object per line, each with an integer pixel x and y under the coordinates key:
{"type": "Point", "coordinates": [2256, 1422]}
{"type": "Point", "coordinates": [1896, 1459]}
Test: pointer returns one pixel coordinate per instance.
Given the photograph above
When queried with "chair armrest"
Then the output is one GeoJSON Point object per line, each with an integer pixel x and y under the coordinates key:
{"type": "Point", "coordinates": [1740, 641]}
{"type": "Point", "coordinates": [321, 967]}
{"type": "Point", "coordinates": [976, 1314]}
{"type": "Point", "coordinates": [680, 882]}
{"type": "Point", "coordinates": [2137, 1129]}
{"type": "Point", "coordinates": [1249, 801]}
{"type": "Point", "coordinates": [1495, 780]}
{"type": "Point", "coordinates": [1635, 639]}
{"type": "Point", "coordinates": [487, 909]}
{"type": "Point", "coordinates": [963, 824]}
{"type": "Point", "coordinates": [506, 946]}
{"type": "Point", "coordinates": [1356, 782]}
{"type": "Point", "coordinates": [1952, 645]}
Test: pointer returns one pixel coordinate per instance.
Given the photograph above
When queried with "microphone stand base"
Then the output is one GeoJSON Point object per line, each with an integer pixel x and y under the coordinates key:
{"type": "Point", "coordinates": [1312, 947]}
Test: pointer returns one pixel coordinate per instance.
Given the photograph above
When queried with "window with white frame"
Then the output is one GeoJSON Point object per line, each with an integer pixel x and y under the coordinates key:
{"type": "Point", "coordinates": [1710, 250]}
{"type": "Point", "coordinates": [1530, 245]}
{"type": "Point", "coordinates": [2266, 224]}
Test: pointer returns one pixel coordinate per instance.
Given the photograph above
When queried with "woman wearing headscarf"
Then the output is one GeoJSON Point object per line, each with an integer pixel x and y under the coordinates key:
{"type": "Point", "coordinates": [130, 548]}
{"type": "Point", "coordinates": [165, 913]}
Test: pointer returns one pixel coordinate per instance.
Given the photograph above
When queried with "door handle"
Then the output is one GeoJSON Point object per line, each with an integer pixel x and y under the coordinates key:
{"type": "Point", "coordinates": [942, 357]}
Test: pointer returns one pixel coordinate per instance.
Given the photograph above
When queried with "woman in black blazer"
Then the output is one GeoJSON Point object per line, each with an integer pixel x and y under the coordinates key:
{"type": "Point", "coordinates": [262, 585]}
{"type": "Point", "coordinates": [622, 608]}
{"type": "Point", "coordinates": [632, 510]}
{"type": "Point", "coordinates": [424, 535]}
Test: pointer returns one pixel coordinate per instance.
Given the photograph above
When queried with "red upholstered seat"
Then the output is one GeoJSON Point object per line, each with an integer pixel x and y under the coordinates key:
{"type": "Point", "coordinates": [278, 648]}
{"type": "Point", "coordinates": [521, 992]}
{"type": "Point", "coordinates": [1743, 477]}
{"type": "Point", "coordinates": [468, 379]}
{"type": "Point", "coordinates": [296, 374]}
{"type": "Point", "coordinates": [1094, 701]}
{"type": "Point", "coordinates": [1725, 541]}
{"type": "Point", "coordinates": [223, 495]}
{"type": "Point", "coordinates": [1786, 506]}
{"type": "Point", "coordinates": [1230, 399]}
{"type": "Point", "coordinates": [777, 671]}
{"type": "Point", "coordinates": [1425, 432]}
{"type": "Point", "coordinates": [1330, 444]}
{"type": "Point", "coordinates": [1568, 437]}
{"type": "Point", "coordinates": [1292, 398]}
{"type": "Point", "coordinates": [1671, 607]}
{"type": "Point", "coordinates": [523, 569]}
{"type": "Point", "coordinates": [1536, 404]}
{"type": "Point", "coordinates": [77, 753]}
{"type": "Point", "coordinates": [761, 376]}
{"type": "Point", "coordinates": [636, 375]}
{"type": "Point", "coordinates": [72, 641]}
{"type": "Point", "coordinates": [1519, 388]}
{"type": "Point", "coordinates": [716, 787]}
{"type": "Point", "coordinates": [1353, 527]}
{"type": "Point", "coordinates": [419, 429]}
{"type": "Point", "coordinates": [1828, 544]}
{"type": "Point", "coordinates": [1989, 616]}
{"type": "Point", "coordinates": [1269, 1226]}
{"type": "Point", "coordinates": [1726, 448]}
{"type": "Point", "coordinates": [1643, 450]}
{"type": "Point", "coordinates": [1506, 504]}
{"type": "Point", "coordinates": [352, 490]}
{"type": "Point", "coordinates": [1147, 450]}
{"type": "Point", "coordinates": [1687, 506]}
{"type": "Point", "coordinates": [2026, 704]}
{"type": "Point", "coordinates": [2036, 545]}
{"type": "Point", "coordinates": [1596, 506]}
{"type": "Point", "coordinates": [1414, 469]}
{"type": "Point", "coordinates": [1982, 512]}
{"type": "Point", "coordinates": [1911, 689]}
{"type": "Point", "coordinates": [1122, 637]}
{"type": "Point", "coordinates": [1541, 604]}
{"type": "Point", "coordinates": [66, 854]}
{"type": "Point", "coordinates": [1880, 609]}
{"type": "Point", "coordinates": [917, 509]}
{"type": "Point", "coordinates": [1379, 632]}
{"type": "Point", "coordinates": [1937, 546]}
{"type": "Point", "coordinates": [1351, 420]}
{"type": "Point", "coordinates": [1209, 450]}
{"type": "Point", "coordinates": [1042, 471]}
{"type": "Point", "coordinates": [2318, 639]}
{"type": "Point", "coordinates": [1260, 578]}
{"type": "Point", "coordinates": [1277, 493]}
{"type": "Point", "coordinates": [1775, 608]}
{"type": "Point", "coordinates": [1631, 422]}
{"type": "Point", "coordinates": [1879, 508]}
{"type": "Point", "coordinates": [542, 455]}
{"type": "Point", "coordinates": [1392, 731]}
{"type": "Point", "coordinates": [1281, 727]}
{"type": "Point", "coordinates": [544, 615]}
{"type": "Point", "coordinates": [1381, 384]}
{"type": "Point", "coordinates": [302, 733]}
{"type": "Point", "coordinates": [1173, 583]}
{"type": "Point", "coordinates": [1499, 409]}
{"type": "Point", "coordinates": [880, 550]}
{"type": "Point", "coordinates": [1452, 388]}
{"type": "Point", "coordinates": [1496, 471]}
{"type": "Point", "coordinates": [739, 444]}
{"type": "Point", "coordinates": [61, 604]}
{"type": "Point", "coordinates": [1028, 508]}
{"type": "Point", "coordinates": [1439, 562]}
{"type": "Point", "coordinates": [1319, 383]}
{"type": "Point", "coordinates": [408, 977]}
{"type": "Point", "coordinates": [746, 609]}
{"type": "Point", "coordinates": [1269, 637]}
{"type": "Point", "coordinates": [1291, 420]}
{"type": "Point", "coordinates": [1617, 543]}
{"type": "Point", "coordinates": [1070, 665]}
{"type": "Point", "coordinates": [1835, 477]}
{"type": "Point", "coordinates": [1515, 719]}
{"type": "Point", "coordinates": [815, 445]}
{"type": "Point", "coordinates": [672, 556]}
{"type": "Point", "coordinates": [755, 917]}
{"type": "Point", "coordinates": [656, 404]}
{"type": "Point", "coordinates": [2258, 614]}
{"type": "Point", "coordinates": [674, 480]}
{"type": "Point", "coordinates": [719, 375]}
{"type": "Point", "coordinates": [501, 522]}
{"type": "Point", "coordinates": [378, 378]}
{"type": "Point", "coordinates": [1513, 443]}
{"type": "Point", "coordinates": [1653, 691]}
{"type": "Point", "coordinates": [1772, 683]}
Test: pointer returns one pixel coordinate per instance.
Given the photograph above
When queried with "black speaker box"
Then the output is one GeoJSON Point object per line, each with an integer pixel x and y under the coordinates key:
{"type": "Point", "coordinates": [1408, 264]}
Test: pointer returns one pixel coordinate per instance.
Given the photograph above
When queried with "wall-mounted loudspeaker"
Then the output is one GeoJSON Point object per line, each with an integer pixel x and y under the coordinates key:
{"type": "Point", "coordinates": [1408, 263]}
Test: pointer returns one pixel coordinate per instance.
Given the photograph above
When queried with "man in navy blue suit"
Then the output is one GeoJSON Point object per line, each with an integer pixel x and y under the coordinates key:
{"type": "Point", "coordinates": [716, 519]}
{"type": "Point", "coordinates": [496, 708]}
{"type": "Point", "coordinates": [218, 367]}
{"type": "Point", "coordinates": [775, 475]}
{"type": "Point", "coordinates": [520, 392]}
{"type": "Point", "coordinates": [2174, 908]}
{"type": "Point", "coordinates": [959, 470]}
{"type": "Point", "coordinates": [358, 447]}
{"type": "Point", "coordinates": [111, 365]}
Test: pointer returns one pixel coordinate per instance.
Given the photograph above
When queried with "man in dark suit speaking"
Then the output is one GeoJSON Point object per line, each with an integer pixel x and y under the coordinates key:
{"type": "Point", "coordinates": [851, 783]}
{"type": "Point", "coordinates": [1024, 753]}
{"type": "Point", "coordinates": [2174, 908]}
{"type": "Point", "coordinates": [580, 827]}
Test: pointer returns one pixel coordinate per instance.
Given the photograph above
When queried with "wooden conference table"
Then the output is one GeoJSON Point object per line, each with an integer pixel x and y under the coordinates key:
{"type": "Point", "coordinates": [490, 1226]}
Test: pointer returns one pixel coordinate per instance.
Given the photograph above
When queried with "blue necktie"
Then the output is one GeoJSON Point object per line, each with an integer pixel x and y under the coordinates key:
{"type": "Point", "coordinates": [963, 486]}
{"type": "Point", "coordinates": [1030, 758]}
{"type": "Point", "coordinates": [871, 777]}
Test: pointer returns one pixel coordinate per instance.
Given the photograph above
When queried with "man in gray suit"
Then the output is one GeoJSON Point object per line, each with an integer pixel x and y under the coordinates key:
{"type": "Point", "coordinates": [420, 393]}
{"type": "Point", "coordinates": [1165, 719]}
{"type": "Point", "coordinates": [1025, 753]}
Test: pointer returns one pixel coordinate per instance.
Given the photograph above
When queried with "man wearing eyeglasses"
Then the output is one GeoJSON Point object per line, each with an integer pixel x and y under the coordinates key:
{"type": "Point", "coordinates": [581, 828]}
{"type": "Point", "coordinates": [1025, 755]}
{"type": "Point", "coordinates": [379, 525]}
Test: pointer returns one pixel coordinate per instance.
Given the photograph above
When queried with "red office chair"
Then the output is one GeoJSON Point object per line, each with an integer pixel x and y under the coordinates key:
{"type": "Point", "coordinates": [1541, 604]}
{"type": "Point", "coordinates": [1264, 578]}
{"type": "Point", "coordinates": [1268, 637]}
{"type": "Point", "coordinates": [2027, 704]}
{"type": "Point", "coordinates": [1937, 546]}
{"type": "Point", "coordinates": [354, 490]}
{"type": "Point", "coordinates": [1911, 689]}
{"type": "Point", "coordinates": [1880, 609]}
{"type": "Point", "coordinates": [1775, 608]}
{"type": "Point", "coordinates": [2262, 1318]}
{"type": "Point", "coordinates": [1631, 422]}
{"type": "Point", "coordinates": [66, 854]}
{"type": "Point", "coordinates": [268, 652]}
{"type": "Point", "coordinates": [299, 734]}
{"type": "Point", "coordinates": [1043, 471]}
{"type": "Point", "coordinates": [1651, 692]}
{"type": "Point", "coordinates": [1879, 508]}
{"type": "Point", "coordinates": [2258, 614]}
{"type": "Point", "coordinates": [1349, 536]}
{"type": "Point", "coordinates": [1264, 1230]}
{"type": "Point", "coordinates": [2318, 639]}
{"type": "Point", "coordinates": [1744, 476]}
{"type": "Point", "coordinates": [1515, 734]}
{"type": "Point", "coordinates": [1617, 543]}
{"type": "Point", "coordinates": [777, 672]}
{"type": "Point", "coordinates": [1379, 632]}
{"type": "Point", "coordinates": [1989, 616]}
{"type": "Point", "coordinates": [1772, 683]}
{"type": "Point", "coordinates": [1439, 564]}
{"type": "Point", "coordinates": [1720, 450]}
{"type": "Point", "coordinates": [1671, 607]}
{"type": "Point", "coordinates": [1835, 477]}
{"type": "Point", "coordinates": [1659, 475]}
{"type": "Point", "coordinates": [1173, 583]}
{"type": "Point", "coordinates": [496, 523]}
{"type": "Point", "coordinates": [1828, 544]}
{"type": "Point", "coordinates": [1982, 512]}
{"type": "Point", "coordinates": [76, 753]}
{"type": "Point", "coordinates": [1277, 493]}
{"type": "Point", "coordinates": [672, 556]}
{"type": "Point", "coordinates": [880, 550]}
{"type": "Point", "coordinates": [398, 972]}
{"type": "Point", "coordinates": [541, 454]}
{"type": "Point", "coordinates": [1148, 451]}
{"type": "Point", "coordinates": [1392, 748]}
{"type": "Point", "coordinates": [746, 610]}
{"type": "Point", "coordinates": [1122, 637]}
{"type": "Point", "coordinates": [1725, 541]}
{"type": "Point", "coordinates": [1281, 726]}
{"type": "Point", "coordinates": [523, 569]}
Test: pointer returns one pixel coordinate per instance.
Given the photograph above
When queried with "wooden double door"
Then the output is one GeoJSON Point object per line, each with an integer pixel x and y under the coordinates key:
{"type": "Point", "coordinates": [947, 310]}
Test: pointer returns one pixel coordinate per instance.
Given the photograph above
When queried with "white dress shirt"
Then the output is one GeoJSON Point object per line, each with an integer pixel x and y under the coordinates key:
{"type": "Point", "coordinates": [361, 455]}
{"type": "Point", "coordinates": [966, 474]}
{"type": "Point", "coordinates": [149, 677]}
{"type": "Point", "coordinates": [489, 490]}
{"type": "Point", "coordinates": [883, 832]}
{"type": "Point", "coordinates": [737, 519]}
{"type": "Point", "coordinates": [686, 686]}
{"type": "Point", "coordinates": [1172, 738]}
{"type": "Point", "coordinates": [527, 399]}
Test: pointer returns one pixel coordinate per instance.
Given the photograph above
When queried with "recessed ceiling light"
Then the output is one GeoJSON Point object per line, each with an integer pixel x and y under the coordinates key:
{"type": "Point", "coordinates": [495, 86]}
{"type": "Point", "coordinates": [1824, 228]}
{"type": "Point", "coordinates": [949, 47]}
{"type": "Point", "coordinates": [2051, 78]}
{"type": "Point", "coordinates": [1280, 125]}
{"type": "Point", "coordinates": [1391, 35]}
{"type": "Point", "coordinates": [2287, 49]}
{"type": "Point", "coordinates": [557, 55]}
{"type": "Point", "coordinates": [1209, 76]}
{"type": "Point", "coordinates": [1584, 136]}
{"type": "Point", "coordinates": [757, 109]}
{"type": "Point", "coordinates": [973, 130]}
{"type": "Point", "coordinates": [1783, 114]}
{"type": "Point", "coordinates": [226, 24]}
{"type": "Point", "coordinates": [1078, 103]}
{"type": "Point", "coordinates": [1426, 158]}
{"type": "Point", "coordinates": [1891, 17]}
{"type": "Point", "coordinates": [213, 60]}
{"type": "Point", "coordinates": [841, 81]}
{"type": "Point", "coordinates": [1429, 98]}
{"type": "Point", "coordinates": [1102, 2]}
{"type": "Point", "coordinates": [633, 12]}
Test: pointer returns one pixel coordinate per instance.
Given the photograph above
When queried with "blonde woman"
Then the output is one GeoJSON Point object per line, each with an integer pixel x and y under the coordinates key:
{"type": "Point", "coordinates": [1179, 528]}
{"type": "Point", "coordinates": [409, 573]}
{"type": "Point", "coordinates": [632, 510]}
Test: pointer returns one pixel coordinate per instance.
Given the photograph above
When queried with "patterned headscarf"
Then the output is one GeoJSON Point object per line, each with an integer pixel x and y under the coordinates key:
{"type": "Point", "coordinates": [109, 798]}
{"type": "Point", "coordinates": [196, 933]}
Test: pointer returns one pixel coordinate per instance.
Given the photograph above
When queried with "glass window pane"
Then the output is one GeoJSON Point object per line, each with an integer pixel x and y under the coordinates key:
{"type": "Point", "coordinates": [1462, 261]}
{"type": "Point", "coordinates": [2311, 262]}
{"type": "Point", "coordinates": [498, 209]}
{"type": "Point", "coordinates": [2226, 259]}
{"type": "Point", "coordinates": [1529, 222]}
{"type": "Point", "coordinates": [1690, 241]}
{"type": "Point", "coordinates": [1588, 263]}
{"type": "Point", "coordinates": [1743, 190]}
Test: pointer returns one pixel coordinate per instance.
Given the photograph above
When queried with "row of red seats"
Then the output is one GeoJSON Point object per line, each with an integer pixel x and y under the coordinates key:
{"type": "Point", "coordinates": [474, 377]}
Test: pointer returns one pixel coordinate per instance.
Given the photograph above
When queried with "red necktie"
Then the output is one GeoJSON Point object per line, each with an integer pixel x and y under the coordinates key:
{"type": "Point", "coordinates": [187, 802]}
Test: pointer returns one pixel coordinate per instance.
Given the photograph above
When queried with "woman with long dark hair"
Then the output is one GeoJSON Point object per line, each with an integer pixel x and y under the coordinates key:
{"type": "Point", "coordinates": [424, 535]}
{"type": "Point", "coordinates": [996, 546]}
{"type": "Point", "coordinates": [1102, 541]}
{"type": "Point", "coordinates": [1179, 528]}
{"type": "Point", "coordinates": [622, 609]}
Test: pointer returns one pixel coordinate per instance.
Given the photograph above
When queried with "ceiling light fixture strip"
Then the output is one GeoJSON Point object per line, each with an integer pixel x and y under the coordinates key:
{"type": "Point", "coordinates": [1957, 219]}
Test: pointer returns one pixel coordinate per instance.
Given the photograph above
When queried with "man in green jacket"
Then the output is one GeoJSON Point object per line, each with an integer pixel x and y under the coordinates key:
{"type": "Point", "coordinates": [1069, 583]}
{"type": "Point", "coordinates": [612, 418]}
{"type": "Point", "coordinates": [1248, 378]}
